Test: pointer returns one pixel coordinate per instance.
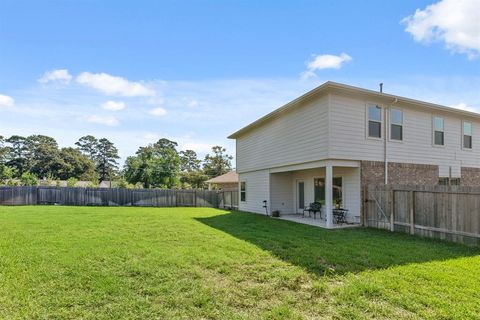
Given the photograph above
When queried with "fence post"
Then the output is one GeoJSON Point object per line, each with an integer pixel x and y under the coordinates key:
{"type": "Point", "coordinates": [392, 210]}
{"type": "Point", "coordinates": [412, 212]}
{"type": "Point", "coordinates": [195, 198]}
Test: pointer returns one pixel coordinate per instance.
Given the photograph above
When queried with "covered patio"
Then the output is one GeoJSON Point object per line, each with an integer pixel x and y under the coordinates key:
{"type": "Point", "coordinates": [335, 184]}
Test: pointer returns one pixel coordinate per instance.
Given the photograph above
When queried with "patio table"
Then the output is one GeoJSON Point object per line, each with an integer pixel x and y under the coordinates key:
{"type": "Point", "coordinates": [340, 215]}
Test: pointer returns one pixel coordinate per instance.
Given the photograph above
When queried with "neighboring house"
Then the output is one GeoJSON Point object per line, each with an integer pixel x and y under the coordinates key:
{"type": "Point", "coordinates": [331, 143]}
{"type": "Point", "coordinates": [225, 182]}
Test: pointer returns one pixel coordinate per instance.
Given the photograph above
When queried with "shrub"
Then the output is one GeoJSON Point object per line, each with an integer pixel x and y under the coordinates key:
{"type": "Point", "coordinates": [28, 179]}
{"type": "Point", "coordinates": [72, 182]}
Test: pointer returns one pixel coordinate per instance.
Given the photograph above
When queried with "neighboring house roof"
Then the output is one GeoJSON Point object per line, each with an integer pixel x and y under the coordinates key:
{"type": "Point", "coordinates": [331, 86]}
{"type": "Point", "coordinates": [229, 177]}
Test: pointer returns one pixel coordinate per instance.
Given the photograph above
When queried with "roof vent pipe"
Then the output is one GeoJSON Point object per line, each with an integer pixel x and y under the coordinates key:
{"type": "Point", "coordinates": [381, 86]}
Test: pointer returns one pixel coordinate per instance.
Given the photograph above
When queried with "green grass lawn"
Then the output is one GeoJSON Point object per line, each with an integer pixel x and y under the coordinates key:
{"type": "Point", "coordinates": [192, 263]}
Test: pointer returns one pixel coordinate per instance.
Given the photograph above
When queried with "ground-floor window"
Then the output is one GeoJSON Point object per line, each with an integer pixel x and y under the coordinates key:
{"type": "Point", "coordinates": [444, 181]}
{"type": "Point", "coordinates": [319, 193]}
{"type": "Point", "coordinates": [243, 191]}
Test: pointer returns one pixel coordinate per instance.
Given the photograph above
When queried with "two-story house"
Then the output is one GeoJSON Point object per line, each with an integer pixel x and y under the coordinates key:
{"type": "Point", "coordinates": [329, 144]}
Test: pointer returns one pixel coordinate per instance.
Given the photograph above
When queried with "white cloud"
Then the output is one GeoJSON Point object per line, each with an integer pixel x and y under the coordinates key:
{"type": "Point", "coordinates": [325, 61]}
{"type": "Point", "coordinates": [104, 120]}
{"type": "Point", "coordinates": [158, 112]}
{"type": "Point", "coordinates": [192, 103]}
{"type": "Point", "coordinates": [463, 106]}
{"type": "Point", "coordinates": [198, 147]}
{"type": "Point", "coordinates": [454, 22]}
{"type": "Point", "coordinates": [113, 105]}
{"type": "Point", "coordinates": [58, 76]}
{"type": "Point", "coordinates": [6, 101]}
{"type": "Point", "coordinates": [112, 85]}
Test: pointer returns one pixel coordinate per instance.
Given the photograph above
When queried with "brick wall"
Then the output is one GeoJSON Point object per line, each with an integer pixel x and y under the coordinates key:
{"type": "Point", "coordinates": [412, 174]}
{"type": "Point", "coordinates": [470, 176]}
{"type": "Point", "coordinates": [399, 173]}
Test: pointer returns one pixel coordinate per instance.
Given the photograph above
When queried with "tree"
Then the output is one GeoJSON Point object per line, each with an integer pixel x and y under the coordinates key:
{"type": "Point", "coordinates": [76, 165]}
{"type": "Point", "coordinates": [193, 179]}
{"type": "Point", "coordinates": [107, 155]}
{"type": "Point", "coordinates": [88, 145]}
{"type": "Point", "coordinates": [156, 165]}
{"type": "Point", "coordinates": [189, 161]}
{"type": "Point", "coordinates": [3, 159]}
{"type": "Point", "coordinates": [43, 156]}
{"type": "Point", "coordinates": [103, 153]}
{"type": "Point", "coordinates": [16, 156]}
{"type": "Point", "coordinates": [218, 163]}
{"type": "Point", "coordinates": [191, 175]}
{"type": "Point", "coordinates": [6, 173]}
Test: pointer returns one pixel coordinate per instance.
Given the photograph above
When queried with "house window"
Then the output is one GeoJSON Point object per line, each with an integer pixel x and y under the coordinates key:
{"type": "Point", "coordinates": [449, 181]}
{"type": "Point", "coordinates": [454, 181]}
{"type": "Point", "coordinates": [374, 121]}
{"type": "Point", "coordinates": [467, 135]}
{"type": "Point", "coordinates": [438, 131]}
{"type": "Point", "coordinates": [443, 181]}
{"type": "Point", "coordinates": [396, 124]}
{"type": "Point", "coordinates": [319, 190]}
{"type": "Point", "coordinates": [243, 191]}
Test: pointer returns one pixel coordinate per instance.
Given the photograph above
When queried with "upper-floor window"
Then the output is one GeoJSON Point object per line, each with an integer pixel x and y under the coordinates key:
{"type": "Point", "coordinates": [243, 191]}
{"type": "Point", "coordinates": [396, 124]}
{"type": "Point", "coordinates": [438, 131]}
{"type": "Point", "coordinates": [467, 135]}
{"type": "Point", "coordinates": [374, 121]}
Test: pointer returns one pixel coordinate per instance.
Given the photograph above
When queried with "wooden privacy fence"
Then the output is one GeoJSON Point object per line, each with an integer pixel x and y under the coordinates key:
{"type": "Point", "coordinates": [445, 212]}
{"type": "Point", "coordinates": [117, 197]}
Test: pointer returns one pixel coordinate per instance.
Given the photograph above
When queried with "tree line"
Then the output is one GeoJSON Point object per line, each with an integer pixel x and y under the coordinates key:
{"type": "Point", "coordinates": [25, 160]}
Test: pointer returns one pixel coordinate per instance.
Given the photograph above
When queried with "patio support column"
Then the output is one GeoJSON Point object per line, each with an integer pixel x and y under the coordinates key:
{"type": "Point", "coordinates": [329, 195]}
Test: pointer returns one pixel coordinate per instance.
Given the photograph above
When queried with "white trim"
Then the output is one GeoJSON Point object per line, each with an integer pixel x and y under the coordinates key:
{"type": "Point", "coordinates": [316, 164]}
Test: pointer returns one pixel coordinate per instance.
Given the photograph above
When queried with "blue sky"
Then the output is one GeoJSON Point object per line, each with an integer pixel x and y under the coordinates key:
{"type": "Point", "coordinates": [196, 71]}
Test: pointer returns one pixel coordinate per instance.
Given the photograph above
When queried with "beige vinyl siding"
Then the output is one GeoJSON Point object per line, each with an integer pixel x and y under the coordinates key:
{"type": "Point", "coordinates": [348, 137]}
{"type": "Point", "coordinates": [294, 137]}
{"type": "Point", "coordinates": [257, 188]}
{"type": "Point", "coordinates": [282, 192]}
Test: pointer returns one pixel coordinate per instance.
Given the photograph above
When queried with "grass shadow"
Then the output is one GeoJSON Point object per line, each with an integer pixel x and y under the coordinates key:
{"type": "Point", "coordinates": [340, 251]}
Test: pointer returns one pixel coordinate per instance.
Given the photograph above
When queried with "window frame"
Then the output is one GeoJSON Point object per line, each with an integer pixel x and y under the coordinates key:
{"type": "Point", "coordinates": [390, 124]}
{"type": "Point", "coordinates": [433, 132]}
{"type": "Point", "coordinates": [367, 121]}
{"type": "Point", "coordinates": [244, 191]}
{"type": "Point", "coordinates": [463, 135]}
